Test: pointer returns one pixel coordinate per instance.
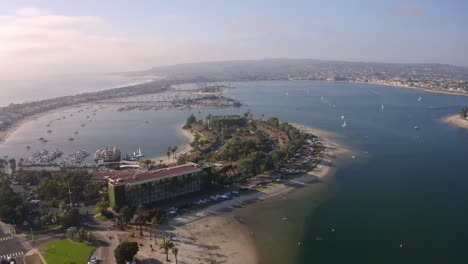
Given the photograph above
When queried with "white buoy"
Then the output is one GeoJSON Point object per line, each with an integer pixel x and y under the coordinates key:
{"type": "Point", "coordinates": [401, 245]}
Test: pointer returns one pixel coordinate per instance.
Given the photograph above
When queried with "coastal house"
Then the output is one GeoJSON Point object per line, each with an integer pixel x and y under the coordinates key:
{"type": "Point", "coordinates": [136, 186]}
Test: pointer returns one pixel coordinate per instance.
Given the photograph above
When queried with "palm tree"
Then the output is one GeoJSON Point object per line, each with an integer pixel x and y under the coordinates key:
{"type": "Point", "coordinates": [62, 205]}
{"type": "Point", "coordinates": [155, 224]}
{"type": "Point", "coordinates": [166, 245]}
{"type": "Point", "coordinates": [175, 251]}
{"type": "Point", "coordinates": [12, 165]}
{"type": "Point", "coordinates": [3, 164]}
{"type": "Point", "coordinates": [173, 150]}
{"type": "Point", "coordinates": [141, 218]}
{"type": "Point", "coordinates": [168, 153]}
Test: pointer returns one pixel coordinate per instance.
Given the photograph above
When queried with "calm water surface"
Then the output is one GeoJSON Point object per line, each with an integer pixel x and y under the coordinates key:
{"type": "Point", "coordinates": [403, 199]}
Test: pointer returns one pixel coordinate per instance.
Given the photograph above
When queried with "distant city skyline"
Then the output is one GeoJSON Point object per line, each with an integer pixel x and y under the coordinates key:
{"type": "Point", "coordinates": [48, 38]}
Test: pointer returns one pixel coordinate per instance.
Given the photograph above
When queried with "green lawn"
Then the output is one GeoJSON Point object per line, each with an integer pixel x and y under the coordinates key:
{"type": "Point", "coordinates": [67, 252]}
{"type": "Point", "coordinates": [201, 138]}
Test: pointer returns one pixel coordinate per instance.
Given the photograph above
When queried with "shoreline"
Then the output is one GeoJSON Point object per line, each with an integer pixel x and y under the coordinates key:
{"type": "Point", "coordinates": [211, 226]}
{"type": "Point", "coordinates": [391, 85]}
{"type": "Point", "coordinates": [456, 120]}
{"type": "Point", "coordinates": [182, 149]}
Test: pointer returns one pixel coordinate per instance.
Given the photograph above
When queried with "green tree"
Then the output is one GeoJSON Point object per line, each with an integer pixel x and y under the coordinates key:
{"type": "Point", "coordinates": [142, 214]}
{"type": "Point", "coordinates": [127, 214]}
{"type": "Point", "coordinates": [148, 163]}
{"type": "Point", "coordinates": [71, 218]}
{"type": "Point", "coordinates": [125, 252]}
{"type": "Point", "coordinates": [12, 163]}
{"type": "Point", "coordinates": [190, 120]}
{"type": "Point", "coordinates": [168, 153]}
{"type": "Point", "coordinates": [464, 112]}
{"type": "Point", "coordinates": [102, 208]}
{"type": "Point", "coordinates": [12, 207]}
{"type": "Point", "coordinates": [166, 245]}
{"type": "Point", "coordinates": [173, 151]}
{"type": "Point", "coordinates": [175, 251]}
{"type": "Point", "coordinates": [155, 225]}
{"type": "Point", "coordinates": [3, 164]}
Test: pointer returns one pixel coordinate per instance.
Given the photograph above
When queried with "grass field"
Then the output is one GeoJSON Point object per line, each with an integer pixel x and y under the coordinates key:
{"type": "Point", "coordinates": [66, 252]}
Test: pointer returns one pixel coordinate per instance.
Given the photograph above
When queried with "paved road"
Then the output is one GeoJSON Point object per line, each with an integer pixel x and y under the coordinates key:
{"type": "Point", "coordinates": [11, 246]}
{"type": "Point", "coordinates": [106, 239]}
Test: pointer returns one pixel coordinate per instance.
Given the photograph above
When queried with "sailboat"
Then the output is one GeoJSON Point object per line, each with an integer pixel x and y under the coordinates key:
{"type": "Point", "coordinates": [382, 107]}
{"type": "Point", "coordinates": [138, 154]}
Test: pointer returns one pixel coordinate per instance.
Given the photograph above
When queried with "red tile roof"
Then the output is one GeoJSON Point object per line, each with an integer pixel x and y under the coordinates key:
{"type": "Point", "coordinates": [137, 176]}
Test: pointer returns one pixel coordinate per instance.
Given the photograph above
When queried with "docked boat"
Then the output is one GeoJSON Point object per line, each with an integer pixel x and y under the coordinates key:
{"type": "Point", "coordinates": [107, 154]}
{"type": "Point", "coordinates": [71, 139]}
{"type": "Point", "coordinates": [136, 156]}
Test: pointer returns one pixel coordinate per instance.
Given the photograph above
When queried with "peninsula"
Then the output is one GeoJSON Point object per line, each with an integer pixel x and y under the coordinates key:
{"type": "Point", "coordinates": [460, 120]}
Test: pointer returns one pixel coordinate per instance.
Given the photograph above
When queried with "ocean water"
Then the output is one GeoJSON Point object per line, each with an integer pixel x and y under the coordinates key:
{"type": "Point", "coordinates": [403, 199]}
{"type": "Point", "coordinates": [18, 91]}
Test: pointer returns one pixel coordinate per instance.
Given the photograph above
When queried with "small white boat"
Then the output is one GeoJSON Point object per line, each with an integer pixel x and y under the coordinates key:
{"type": "Point", "coordinates": [285, 218]}
{"type": "Point", "coordinates": [342, 117]}
{"type": "Point", "coordinates": [382, 107]}
{"type": "Point", "coordinates": [419, 99]}
{"type": "Point", "coordinates": [344, 124]}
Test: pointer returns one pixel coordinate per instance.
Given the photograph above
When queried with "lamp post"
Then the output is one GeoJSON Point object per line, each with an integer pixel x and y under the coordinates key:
{"type": "Point", "coordinates": [69, 194]}
{"type": "Point", "coordinates": [32, 235]}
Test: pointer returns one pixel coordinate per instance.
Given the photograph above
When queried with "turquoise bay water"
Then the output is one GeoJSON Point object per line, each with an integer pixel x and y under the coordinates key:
{"type": "Point", "coordinates": [406, 186]}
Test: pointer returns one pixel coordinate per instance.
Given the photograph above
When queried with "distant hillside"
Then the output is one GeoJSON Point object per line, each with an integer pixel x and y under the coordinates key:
{"type": "Point", "coordinates": [281, 68]}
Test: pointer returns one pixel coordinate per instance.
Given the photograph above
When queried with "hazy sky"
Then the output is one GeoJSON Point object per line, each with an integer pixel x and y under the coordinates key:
{"type": "Point", "coordinates": [60, 37]}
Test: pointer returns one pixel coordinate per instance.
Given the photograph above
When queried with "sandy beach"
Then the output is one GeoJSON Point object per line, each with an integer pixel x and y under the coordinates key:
{"type": "Point", "coordinates": [180, 149]}
{"type": "Point", "coordinates": [456, 121]}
